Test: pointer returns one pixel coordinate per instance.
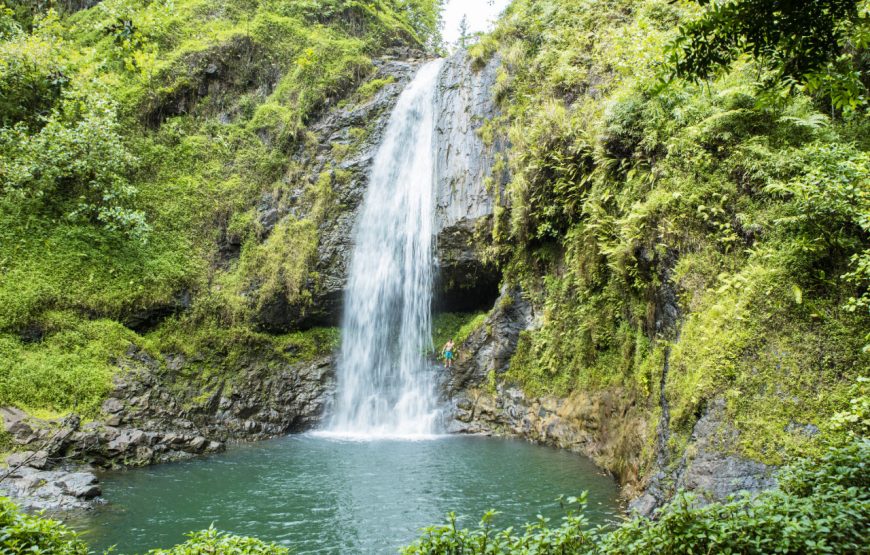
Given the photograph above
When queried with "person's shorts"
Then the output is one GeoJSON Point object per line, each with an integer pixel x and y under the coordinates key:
{"type": "Point", "coordinates": [448, 355]}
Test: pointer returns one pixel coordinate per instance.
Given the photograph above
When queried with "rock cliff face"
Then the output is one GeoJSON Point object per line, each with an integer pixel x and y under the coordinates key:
{"type": "Point", "coordinates": [606, 426]}
{"type": "Point", "coordinates": [162, 410]}
{"type": "Point", "coordinates": [465, 183]}
{"type": "Point", "coordinates": [464, 164]}
{"type": "Point", "coordinates": [490, 347]}
{"type": "Point", "coordinates": [337, 131]}
{"type": "Point", "coordinates": [467, 177]}
{"type": "Point", "coordinates": [706, 466]}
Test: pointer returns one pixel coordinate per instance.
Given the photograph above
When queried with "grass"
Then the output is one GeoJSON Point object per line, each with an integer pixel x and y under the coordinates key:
{"type": "Point", "coordinates": [69, 369]}
{"type": "Point", "coordinates": [457, 326]}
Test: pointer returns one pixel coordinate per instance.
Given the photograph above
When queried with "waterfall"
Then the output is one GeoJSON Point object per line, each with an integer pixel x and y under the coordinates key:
{"type": "Point", "coordinates": [385, 384]}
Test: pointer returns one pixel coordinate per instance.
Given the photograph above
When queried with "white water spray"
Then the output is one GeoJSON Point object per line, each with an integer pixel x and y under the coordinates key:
{"type": "Point", "coordinates": [385, 387]}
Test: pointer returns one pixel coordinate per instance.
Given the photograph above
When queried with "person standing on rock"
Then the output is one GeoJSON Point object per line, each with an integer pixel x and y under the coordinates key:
{"type": "Point", "coordinates": [447, 352]}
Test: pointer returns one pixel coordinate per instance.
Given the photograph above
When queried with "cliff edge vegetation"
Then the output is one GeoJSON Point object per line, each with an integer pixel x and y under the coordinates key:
{"type": "Point", "coordinates": [688, 213]}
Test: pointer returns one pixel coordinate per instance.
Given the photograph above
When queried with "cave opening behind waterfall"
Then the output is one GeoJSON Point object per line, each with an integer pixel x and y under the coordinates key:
{"type": "Point", "coordinates": [477, 294]}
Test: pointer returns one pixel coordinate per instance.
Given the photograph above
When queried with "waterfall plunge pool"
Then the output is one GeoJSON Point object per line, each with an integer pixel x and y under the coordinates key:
{"type": "Point", "coordinates": [324, 495]}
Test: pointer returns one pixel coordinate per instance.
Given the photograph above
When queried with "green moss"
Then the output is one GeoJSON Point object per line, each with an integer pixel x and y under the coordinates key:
{"type": "Point", "coordinates": [369, 89]}
{"type": "Point", "coordinates": [216, 353]}
{"type": "Point", "coordinates": [634, 201]}
{"type": "Point", "coordinates": [457, 326]}
{"type": "Point", "coordinates": [308, 345]}
{"type": "Point", "coordinates": [210, 98]}
{"type": "Point", "coordinates": [69, 369]}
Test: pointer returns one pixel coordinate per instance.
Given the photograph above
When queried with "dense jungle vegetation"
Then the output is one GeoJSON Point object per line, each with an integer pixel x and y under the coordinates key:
{"type": "Point", "coordinates": [136, 139]}
{"type": "Point", "coordinates": [689, 206]}
{"type": "Point", "coordinates": [688, 210]}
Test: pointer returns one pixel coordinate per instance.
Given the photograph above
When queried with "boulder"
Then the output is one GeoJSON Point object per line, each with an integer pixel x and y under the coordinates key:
{"type": "Point", "coordinates": [82, 485]}
{"type": "Point", "coordinates": [32, 459]}
{"type": "Point", "coordinates": [126, 441]}
{"type": "Point", "coordinates": [23, 428]}
{"type": "Point", "coordinates": [36, 490]}
{"type": "Point", "coordinates": [112, 406]}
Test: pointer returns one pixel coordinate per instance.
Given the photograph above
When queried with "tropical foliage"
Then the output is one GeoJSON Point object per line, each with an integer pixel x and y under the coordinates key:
{"type": "Point", "coordinates": [136, 141]}
{"type": "Point", "coordinates": [709, 236]}
{"type": "Point", "coordinates": [821, 507]}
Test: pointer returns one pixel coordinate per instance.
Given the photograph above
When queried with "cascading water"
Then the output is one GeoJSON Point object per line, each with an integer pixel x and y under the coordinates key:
{"type": "Point", "coordinates": [385, 385]}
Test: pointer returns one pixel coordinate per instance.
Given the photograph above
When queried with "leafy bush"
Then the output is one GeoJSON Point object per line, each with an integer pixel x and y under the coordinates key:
{"type": "Point", "coordinates": [822, 506]}
{"type": "Point", "coordinates": [32, 73]}
{"type": "Point", "coordinates": [78, 169]}
{"type": "Point", "coordinates": [211, 541]}
{"type": "Point", "coordinates": [811, 43]}
{"type": "Point", "coordinates": [20, 533]}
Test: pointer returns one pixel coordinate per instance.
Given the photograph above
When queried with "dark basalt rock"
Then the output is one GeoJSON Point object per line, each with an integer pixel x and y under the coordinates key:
{"type": "Point", "coordinates": [490, 347]}
{"type": "Point", "coordinates": [465, 283]}
{"type": "Point", "coordinates": [707, 467]}
{"type": "Point", "coordinates": [323, 307]}
{"type": "Point", "coordinates": [148, 420]}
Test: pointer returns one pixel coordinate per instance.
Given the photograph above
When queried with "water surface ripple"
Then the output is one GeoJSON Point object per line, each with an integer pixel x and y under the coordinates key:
{"type": "Point", "coordinates": [321, 495]}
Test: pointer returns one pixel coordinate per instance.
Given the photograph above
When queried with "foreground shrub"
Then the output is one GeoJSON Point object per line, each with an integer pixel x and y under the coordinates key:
{"type": "Point", "coordinates": [20, 533]}
{"type": "Point", "coordinates": [822, 506]}
{"type": "Point", "coordinates": [212, 541]}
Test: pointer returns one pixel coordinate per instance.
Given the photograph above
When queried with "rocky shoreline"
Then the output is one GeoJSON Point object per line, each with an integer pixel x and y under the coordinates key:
{"type": "Point", "coordinates": [610, 426]}
{"type": "Point", "coordinates": [56, 463]}
{"type": "Point", "coordinates": [143, 421]}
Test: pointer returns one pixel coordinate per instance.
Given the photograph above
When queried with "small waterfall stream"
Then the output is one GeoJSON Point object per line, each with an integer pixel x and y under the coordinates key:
{"type": "Point", "coordinates": [385, 385]}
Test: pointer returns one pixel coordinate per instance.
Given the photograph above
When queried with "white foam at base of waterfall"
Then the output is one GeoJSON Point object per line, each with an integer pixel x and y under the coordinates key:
{"type": "Point", "coordinates": [387, 389]}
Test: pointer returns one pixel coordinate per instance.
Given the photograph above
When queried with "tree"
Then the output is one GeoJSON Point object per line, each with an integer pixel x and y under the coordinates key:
{"type": "Point", "coordinates": [463, 31]}
{"type": "Point", "coordinates": [816, 44]}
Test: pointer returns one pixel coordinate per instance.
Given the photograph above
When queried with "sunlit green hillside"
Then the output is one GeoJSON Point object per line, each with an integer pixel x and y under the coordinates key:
{"type": "Point", "coordinates": [136, 139]}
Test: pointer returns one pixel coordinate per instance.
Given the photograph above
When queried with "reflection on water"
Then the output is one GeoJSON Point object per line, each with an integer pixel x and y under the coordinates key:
{"type": "Point", "coordinates": [321, 495]}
